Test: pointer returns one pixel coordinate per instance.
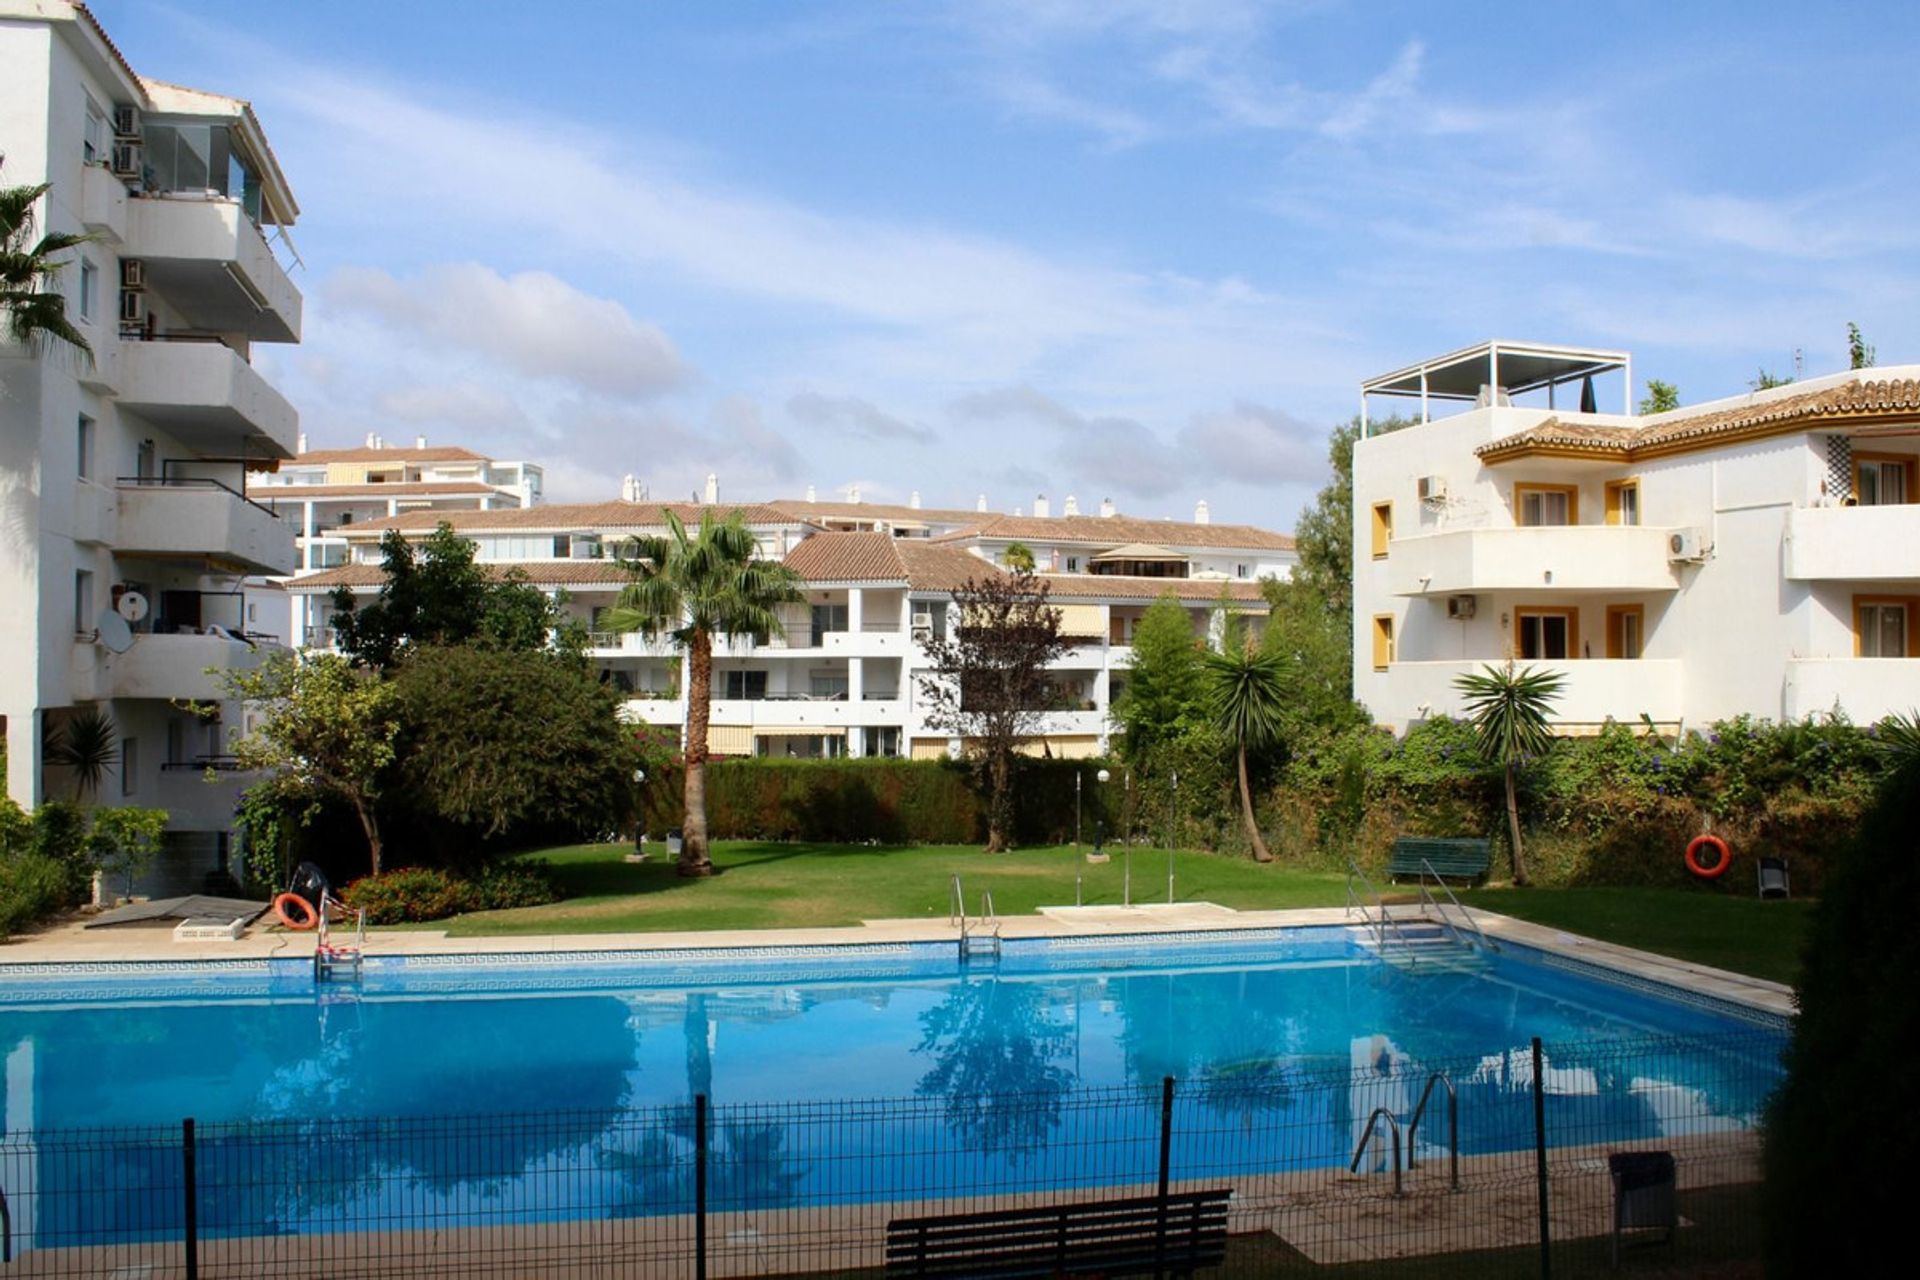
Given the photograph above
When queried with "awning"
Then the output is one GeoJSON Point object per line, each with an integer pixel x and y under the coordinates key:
{"type": "Point", "coordinates": [1082, 619]}
{"type": "Point", "coordinates": [801, 731]}
{"type": "Point", "coordinates": [1138, 551]}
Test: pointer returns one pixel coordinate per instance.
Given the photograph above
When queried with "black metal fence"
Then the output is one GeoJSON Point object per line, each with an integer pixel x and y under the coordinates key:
{"type": "Point", "coordinates": [1381, 1165]}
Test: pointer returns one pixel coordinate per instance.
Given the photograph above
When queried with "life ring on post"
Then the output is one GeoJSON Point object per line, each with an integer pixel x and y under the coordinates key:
{"type": "Point", "coordinates": [1715, 869]}
{"type": "Point", "coordinates": [295, 912]}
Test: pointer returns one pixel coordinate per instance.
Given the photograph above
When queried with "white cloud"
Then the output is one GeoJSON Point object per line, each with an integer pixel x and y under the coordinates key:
{"type": "Point", "coordinates": [852, 416]}
{"type": "Point", "coordinates": [463, 405]}
{"type": "Point", "coordinates": [533, 322]}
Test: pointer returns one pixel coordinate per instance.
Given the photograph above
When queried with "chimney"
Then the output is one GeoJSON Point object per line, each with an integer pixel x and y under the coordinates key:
{"type": "Point", "coordinates": [713, 489]}
{"type": "Point", "coordinates": [853, 494]}
{"type": "Point", "coordinates": [1106, 508]}
{"type": "Point", "coordinates": [1200, 513]}
{"type": "Point", "coordinates": [1040, 508]}
{"type": "Point", "coordinates": [981, 503]}
{"type": "Point", "coordinates": [1071, 507]}
{"type": "Point", "coordinates": [914, 500]}
{"type": "Point", "coordinates": [373, 441]}
{"type": "Point", "coordinates": [300, 443]}
{"type": "Point", "coordinates": [626, 488]}
{"type": "Point", "coordinates": [810, 493]}
{"type": "Point", "coordinates": [419, 442]}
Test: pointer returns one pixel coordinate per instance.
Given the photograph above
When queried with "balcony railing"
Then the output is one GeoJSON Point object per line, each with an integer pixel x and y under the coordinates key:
{"type": "Point", "coordinates": [1854, 544]}
{"type": "Point", "coordinates": [1564, 557]}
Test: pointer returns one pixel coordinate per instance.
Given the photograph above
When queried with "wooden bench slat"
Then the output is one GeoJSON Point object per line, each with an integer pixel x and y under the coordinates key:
{"type": "Point", "coordinates": [1181, 1233]}
{"type": "Point", "coordinates": [1463, 858]}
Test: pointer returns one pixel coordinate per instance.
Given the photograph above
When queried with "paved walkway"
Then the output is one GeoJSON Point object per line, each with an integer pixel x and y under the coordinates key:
{"type": "Point", "coordinates": [70, 943]}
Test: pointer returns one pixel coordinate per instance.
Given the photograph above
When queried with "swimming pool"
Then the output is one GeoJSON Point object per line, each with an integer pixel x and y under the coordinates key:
{"type": "Point", "coordinates": [1280, 1042]}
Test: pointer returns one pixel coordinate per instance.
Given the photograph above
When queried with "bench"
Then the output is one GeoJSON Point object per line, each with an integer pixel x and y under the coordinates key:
{"type": "Point", "coordinates": [1454, 859]}
{"type": "Point", "coordinates": [1147, 1235]}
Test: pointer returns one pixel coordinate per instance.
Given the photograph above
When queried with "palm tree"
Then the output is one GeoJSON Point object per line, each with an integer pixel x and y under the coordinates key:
{"type": "Point", "coordinates": [86, 745]}
{"type": "Point", "coordinates": [1509, 710]}
{"type": "Point", "coordinates": [694, 586]}
{"type": "Point", "coordinates": [32, 311]}
{"type": "Point", "coordinates": [1245, 692]}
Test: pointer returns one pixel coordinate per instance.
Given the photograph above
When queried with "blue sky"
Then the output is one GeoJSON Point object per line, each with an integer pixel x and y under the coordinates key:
{"type": "Point", "coordinates": [1142, 249]}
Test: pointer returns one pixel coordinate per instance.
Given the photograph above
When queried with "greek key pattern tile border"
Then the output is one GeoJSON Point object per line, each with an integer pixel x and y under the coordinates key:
{"type": "Point", "coordinates": [647, 957]}
{"type": "Point", "coordinates": [28, 972]}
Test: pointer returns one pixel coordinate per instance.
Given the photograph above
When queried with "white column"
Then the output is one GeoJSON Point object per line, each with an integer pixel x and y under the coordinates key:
{"type": "Point", "coordinates": [306, 527]}
{"type": "Point", "coordinates": [1102, 699]}
{"type": "Point", "coordinates": [856, 607]}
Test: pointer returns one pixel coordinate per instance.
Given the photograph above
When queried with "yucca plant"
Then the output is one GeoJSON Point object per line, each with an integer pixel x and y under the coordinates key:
{"type": "Point", "coordinates": [87, 745]}
{"type": "Point", "coordinates": [1510, 712]}
{"type": "Point", "coordinates": [1244, 690]}
{"type": "Point", "coordinates": [694, 586]}
{"type": "Point", "coordinates": [33, 311]}
{"type": "Point", "coordinates": [1899, 739]}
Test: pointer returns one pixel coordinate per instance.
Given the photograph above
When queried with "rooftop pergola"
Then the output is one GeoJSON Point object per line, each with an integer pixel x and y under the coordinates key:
{"type": "Point", "coordinates": [1494, 370]}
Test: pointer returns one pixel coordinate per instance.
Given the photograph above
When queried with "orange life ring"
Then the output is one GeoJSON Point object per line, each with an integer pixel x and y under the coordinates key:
{"type": "Point", "coordinates": [1719, 868]}
{"type": "Point", "coordinates": [288, 903]}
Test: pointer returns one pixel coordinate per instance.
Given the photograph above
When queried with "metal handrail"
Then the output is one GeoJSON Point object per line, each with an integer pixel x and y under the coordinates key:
{"type": "Point", "coordinates": [987, 914]}
{"type": "Point", "coordinates": [1385, 920]}
{"type": "Point", "coordinates": [957, 906]}
{"type": "Point", "coordinates": [1453, 1125]}
{"type": "Point", "coordinates": [1426, 869]}
{"type": "Point", "coordinates": [1366, 1136]}
{"type": "Point", "coordinates": [192, 482]}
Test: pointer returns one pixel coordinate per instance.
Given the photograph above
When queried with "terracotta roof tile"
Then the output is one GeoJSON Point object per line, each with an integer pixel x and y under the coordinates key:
{"type": "Point", "coordinates": [873, 511]}
{"type": "Point", "coordinates": [1107, 586]}
{"type": "Point", "coordinates": [541, 573]}
{"type": "Point", "coordinates": [847, 557]}
{"type": "Point", "coordinates": [571, 517]}
{"type": "Point", "coordinates": [1114, 531]}
{"type": "Point", "coordinates": [436, 453]}
{"type": "Point", "coordinates": [408, 489]}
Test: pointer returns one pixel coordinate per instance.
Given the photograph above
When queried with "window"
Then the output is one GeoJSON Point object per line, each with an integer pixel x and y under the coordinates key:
{"type": "Point", "coordinates": [144, 460]}
{"type": "Point", "coordinates": [89, 288]}
{"type": "Point", "coordinates": [96, 138]}
{"type": "Point", "coordinates": [1626, 630]}
{"type": "Point", "coordinates": [1073, 564]}
{"type": "Point", "coordinates": [1548, 634]}
{"type": "Point", "coordinates": [1382, 641]}
{"type": "Point", "coordinates": [176, 742]}
{"type": "Point", "coordinates": [746, 685]}
{"type": "Point", "coordinates": [828, 617]}
{"type": "Point", "coordinates": [1382, 528]}
{"type": "Point", "coordinates": [129, 765]}
{"type": "Point", "coordinates": [82, 602]}
{"type": "Point", "coordinates": [83, 448]}
{"type": "Point", "coordinates": [1239, 571]}
{"type": "Point", "coordinates": [827, 684]}
{"type": "Point", "coordinates": [1884, 626]}
{"type": "Point", "coordinates": [1623, 502]}
{"type": "Point", "coordinates": [1546, 504]}
{"type": "Point", "coordinates": [1884, 479]}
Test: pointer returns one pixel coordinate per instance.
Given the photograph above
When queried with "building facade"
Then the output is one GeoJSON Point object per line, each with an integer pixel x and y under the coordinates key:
{"type": "Point", "coordinates": [123, 476]}
{"type": "Point", "coordinates": [845, 676]}
{"type": "Point", "coordinates": [1754, 555]}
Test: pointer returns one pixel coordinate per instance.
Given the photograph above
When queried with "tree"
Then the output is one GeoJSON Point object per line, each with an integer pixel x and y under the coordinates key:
{"type": "Point", "coordinates": [439, 595]}
{"type": "Point", "coordinates": [497, 740]}
{"type": "Point", "coordinates": [1860, 353]}
{"type": "Point", "coordinates": [693, 587]}
{"type": "Point", "coordinates": [1245, 690]}
{"type": "Point", "coordinates": [321, 730]}
{"type": "Point", "coordinates": [1323, 535]}
{"type": "Point", "coordinates": [1019, 557]}
{"type": "Point", "coordinates": [87, 745]}
{"type": "Point", "coordinates": [1767, 381]}
{"type": "Point", "coordinates": [122, 842]}
{"type": "Point", "coordinates": [990, 685]}
{"type": "Point", "coordinates": [1314, 645]}
{"type": "Point", "coordinates": [33, 311]}
{"type": "Point", "coordinates": [1162, 692]}
{"type": "Point", "coordinates": [1660, 397]}
{"type": "Point", "coordinates": [1509, 711]}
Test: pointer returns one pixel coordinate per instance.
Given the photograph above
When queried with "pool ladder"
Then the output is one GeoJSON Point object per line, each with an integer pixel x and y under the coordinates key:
{"type": "Point", "coordinates": [338, 959]}
{"type": "Point", "coordinates": [1413, 1128]}
{"type": "Point", "coordinates": [981, 939]}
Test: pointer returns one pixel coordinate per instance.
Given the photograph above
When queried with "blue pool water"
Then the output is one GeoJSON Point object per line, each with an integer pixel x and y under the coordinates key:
{"type": "Point", "coordinates": [1038, 1069]}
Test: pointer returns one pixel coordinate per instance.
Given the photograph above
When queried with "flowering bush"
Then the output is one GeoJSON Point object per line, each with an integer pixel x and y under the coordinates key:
{"type": "Point", "coordinates": [403, 896]}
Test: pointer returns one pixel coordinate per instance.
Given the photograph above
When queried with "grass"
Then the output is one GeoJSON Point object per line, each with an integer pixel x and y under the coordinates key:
{"type": "Point", "coordinates": [779, 886]}
{"type": "Point", "coordinates": [1712, 927]}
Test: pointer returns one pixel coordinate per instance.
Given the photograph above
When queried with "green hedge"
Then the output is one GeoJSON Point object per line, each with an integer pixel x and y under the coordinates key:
{"type": "Point", "coordinates": [885, 801]}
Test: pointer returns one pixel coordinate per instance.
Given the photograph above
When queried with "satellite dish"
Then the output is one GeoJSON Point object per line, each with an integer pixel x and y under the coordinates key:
{"type": "Point", "coordinates": [114, 633]}
{"type": "Point", "coordinates": [131, 605]}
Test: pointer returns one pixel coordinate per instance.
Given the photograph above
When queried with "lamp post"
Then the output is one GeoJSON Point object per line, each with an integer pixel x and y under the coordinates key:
{"type": "Point", "coordinates": [1175, 809]}
{"type": "Point", "coordinates": [1098, 852]}
{"type": "Point", "coordinates": [640, 811]}
{"type": "Point", "coordinates": [1076, 810]}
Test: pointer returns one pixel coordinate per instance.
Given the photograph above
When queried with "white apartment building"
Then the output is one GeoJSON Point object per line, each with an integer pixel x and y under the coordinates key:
{"type": "Point", "coordinates": [1758, 554]}
{"type": "Point", "coordinates": [844, 678]}
{"type": "Point", "coordinates": [122, 478]}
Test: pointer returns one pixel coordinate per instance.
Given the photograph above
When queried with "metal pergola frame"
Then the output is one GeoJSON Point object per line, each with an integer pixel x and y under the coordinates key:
{"type": "Point", "coordinates": [1456, 376]}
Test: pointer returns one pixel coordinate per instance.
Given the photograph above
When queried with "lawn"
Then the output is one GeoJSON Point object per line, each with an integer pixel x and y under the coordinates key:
{"type": "Point", "coordinates": [778, 886]}
{"type": "Point", "coordinates": [774, 886]}
{"type": "Point", "coordinates": [1705, 926]}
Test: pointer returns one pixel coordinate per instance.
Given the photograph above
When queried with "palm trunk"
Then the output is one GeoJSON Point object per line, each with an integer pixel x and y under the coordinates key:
{"type": "Point", "coordinates": [1513, 827]}
{"type": "Point", "coordinates": [694, 860]}
{"type": "Point", "coordinates": [1260, 851]}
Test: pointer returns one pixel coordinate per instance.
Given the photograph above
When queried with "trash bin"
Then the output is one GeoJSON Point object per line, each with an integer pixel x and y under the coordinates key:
{"type": "Point", "coordinates": [1644, 1194]}
{"type": "Point", "coordinates": [673, 842]}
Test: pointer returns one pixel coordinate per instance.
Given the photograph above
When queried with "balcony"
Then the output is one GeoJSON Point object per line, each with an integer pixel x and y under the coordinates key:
{"type": "Point", "coordinates": [1595, 690]}
{"type": "Point", "coordinates": [183, 666]}
{"type": "Point", "coordinates": [202, 520]}
{"type": "Point", "coordinates": [1854, 544]}
{"type": "Point", "coordinates": [1563, 557]}
{"type": "Point", "coordinates": [657, 711]}
{"type": "Point", "coordinates": [206, 397]}
{"type": "Point", "coordinates": [103, 204]}
{"type": "Point", "coordinates": [205, 256]}
{"type": "Point", "coordinates": [1867, 689]}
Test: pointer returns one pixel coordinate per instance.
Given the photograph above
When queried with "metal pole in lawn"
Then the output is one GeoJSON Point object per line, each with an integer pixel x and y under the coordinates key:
{"type": "Point", "coordinates": [1076, 808]}
{"type": "Point", "coordinates": [700, 1186]}
{"type": "Point", "coordinates": [1176, 809]}
{"type": "Point", "coordinates": [1540, 1160]}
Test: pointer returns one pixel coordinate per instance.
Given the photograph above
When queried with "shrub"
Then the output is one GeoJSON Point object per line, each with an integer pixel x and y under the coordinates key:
{"type": "Point", "coordinates": [32, 887]}
{"type": "Point", "coordinates": [506, 885]}
{"type": "Point", "coordinates": [408, 895]}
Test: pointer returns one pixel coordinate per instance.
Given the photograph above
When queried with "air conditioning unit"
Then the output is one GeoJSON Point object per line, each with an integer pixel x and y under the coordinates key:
{"type": "Point", "coordinates": [1462, 607]}
{"type": "Point", "coordinates": [923, 626]}
{"type": "Point", "coordinates": [133, 308]}
{"type": "Point", "coordinates": [1689, 545]}
{"type": "Point", "coordinates": [126, 121]}
{"type": "Point", "coordinates": [133, 273]}
{"type": "Point", "coordinates": [126, 159]}
{"type": "Point", "coordinates": [1433, 488]}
